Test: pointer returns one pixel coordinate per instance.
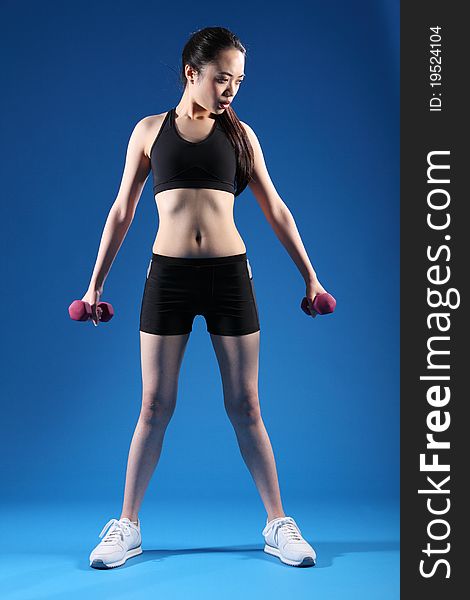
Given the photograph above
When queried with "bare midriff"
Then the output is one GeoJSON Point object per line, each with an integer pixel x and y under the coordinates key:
{"type": "Point", "coordinates": [196, 222]}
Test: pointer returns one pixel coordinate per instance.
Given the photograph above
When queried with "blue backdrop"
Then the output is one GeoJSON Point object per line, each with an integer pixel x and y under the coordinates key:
{"type": "Point", "coordinates": [322, 94]}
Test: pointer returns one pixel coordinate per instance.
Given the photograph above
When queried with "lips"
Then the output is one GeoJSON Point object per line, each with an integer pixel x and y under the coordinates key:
{"type": "Point", "coordinates": [224, 103]}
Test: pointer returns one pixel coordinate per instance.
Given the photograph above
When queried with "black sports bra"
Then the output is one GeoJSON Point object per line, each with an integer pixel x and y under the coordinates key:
{"type": "Point", "coordinates": [179, 163]}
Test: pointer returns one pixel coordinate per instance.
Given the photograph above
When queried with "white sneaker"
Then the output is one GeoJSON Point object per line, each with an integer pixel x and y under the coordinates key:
{"type": "Point", "coordinates": [122, 541]}
{"type": "Point", "coordinates": [284, 540]}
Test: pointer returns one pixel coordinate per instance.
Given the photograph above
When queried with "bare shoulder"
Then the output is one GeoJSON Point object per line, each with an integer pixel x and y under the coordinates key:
{"type": "Point", "coordinates": [254, 141]}
{"type": "Point", "coordinates": [249, 131]}
{"type": "Point", "coordinates": [150, 127]}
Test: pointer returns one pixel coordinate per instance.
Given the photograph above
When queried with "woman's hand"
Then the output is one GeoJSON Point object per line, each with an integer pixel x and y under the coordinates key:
{"type": "Point", "coordinates": [313, 289]}
{"type": "Point", "coordinates": [93, 297]}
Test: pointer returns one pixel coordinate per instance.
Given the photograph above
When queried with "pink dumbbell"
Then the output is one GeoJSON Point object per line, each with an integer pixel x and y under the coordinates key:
{"type": "Point", "coordinates": [322, 303]}
{"type": "Point", "coordinates": [81, 311]}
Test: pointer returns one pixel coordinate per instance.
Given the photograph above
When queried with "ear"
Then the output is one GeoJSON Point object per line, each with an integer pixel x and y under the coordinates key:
{"type": "Point", "coordinates": [190, 72]}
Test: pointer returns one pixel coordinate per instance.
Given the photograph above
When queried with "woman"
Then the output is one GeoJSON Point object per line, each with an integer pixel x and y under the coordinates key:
{"type": "Point", "coordinates": [201, 157]}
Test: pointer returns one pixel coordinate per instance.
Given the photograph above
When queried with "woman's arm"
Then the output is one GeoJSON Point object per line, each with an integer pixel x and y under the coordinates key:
{"type": "Point", "coordinates": [281, 220]}
{"type": "Point", "coordinates": [277, 213]}
{"type": "Point", "coordinates": [121, 214]}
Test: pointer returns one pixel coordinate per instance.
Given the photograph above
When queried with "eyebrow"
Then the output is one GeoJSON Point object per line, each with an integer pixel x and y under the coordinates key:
{"type": "Point", "coordinates": [230, 74]}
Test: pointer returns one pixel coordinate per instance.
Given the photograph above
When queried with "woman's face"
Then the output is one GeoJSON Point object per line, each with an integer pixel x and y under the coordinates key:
{"type": "Point", "coordinates": [219, 81]}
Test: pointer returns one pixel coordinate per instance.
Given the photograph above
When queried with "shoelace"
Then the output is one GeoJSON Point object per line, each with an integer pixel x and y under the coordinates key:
{"type": "Point", "coordinates": [117, 531]}
{"type": "Point", "coordinates": [289, 528]}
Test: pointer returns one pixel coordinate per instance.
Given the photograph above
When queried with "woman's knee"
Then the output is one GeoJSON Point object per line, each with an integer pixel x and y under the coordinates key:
{"type": "Point", "coordinates": [157, 408]}
{"type": "Point", "coordinates": [243, 409]}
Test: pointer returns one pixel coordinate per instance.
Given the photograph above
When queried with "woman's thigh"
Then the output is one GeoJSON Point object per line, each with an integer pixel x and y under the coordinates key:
{"type": "Point", "coordinates": [161, 358]}
{"type": "Point", "coordinates": [238, 359]}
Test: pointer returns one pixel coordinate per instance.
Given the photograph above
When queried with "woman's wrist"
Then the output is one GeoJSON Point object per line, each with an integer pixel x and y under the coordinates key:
{"type": "Point", "coordinates": [95, 287]}
{"type": "Point", "coordinates": [311, 278]}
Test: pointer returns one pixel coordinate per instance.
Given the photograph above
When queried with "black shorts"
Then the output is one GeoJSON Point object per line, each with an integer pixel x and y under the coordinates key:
{"type": "Point", "coordinates": [219, 288]}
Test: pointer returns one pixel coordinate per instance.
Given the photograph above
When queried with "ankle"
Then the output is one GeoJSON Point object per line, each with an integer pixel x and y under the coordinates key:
{"type": "Point", "coordinates": [133, 519]}
{"type": "Point", "coordinates": [276, 515]}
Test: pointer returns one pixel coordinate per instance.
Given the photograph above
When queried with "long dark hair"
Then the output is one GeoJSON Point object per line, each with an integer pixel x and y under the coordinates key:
{"type": "Point", "coordinates": [201, 48]}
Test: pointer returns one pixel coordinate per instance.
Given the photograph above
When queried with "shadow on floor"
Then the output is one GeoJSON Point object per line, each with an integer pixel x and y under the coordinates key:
{"type": "Point", "coordinates": [327, 552]}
